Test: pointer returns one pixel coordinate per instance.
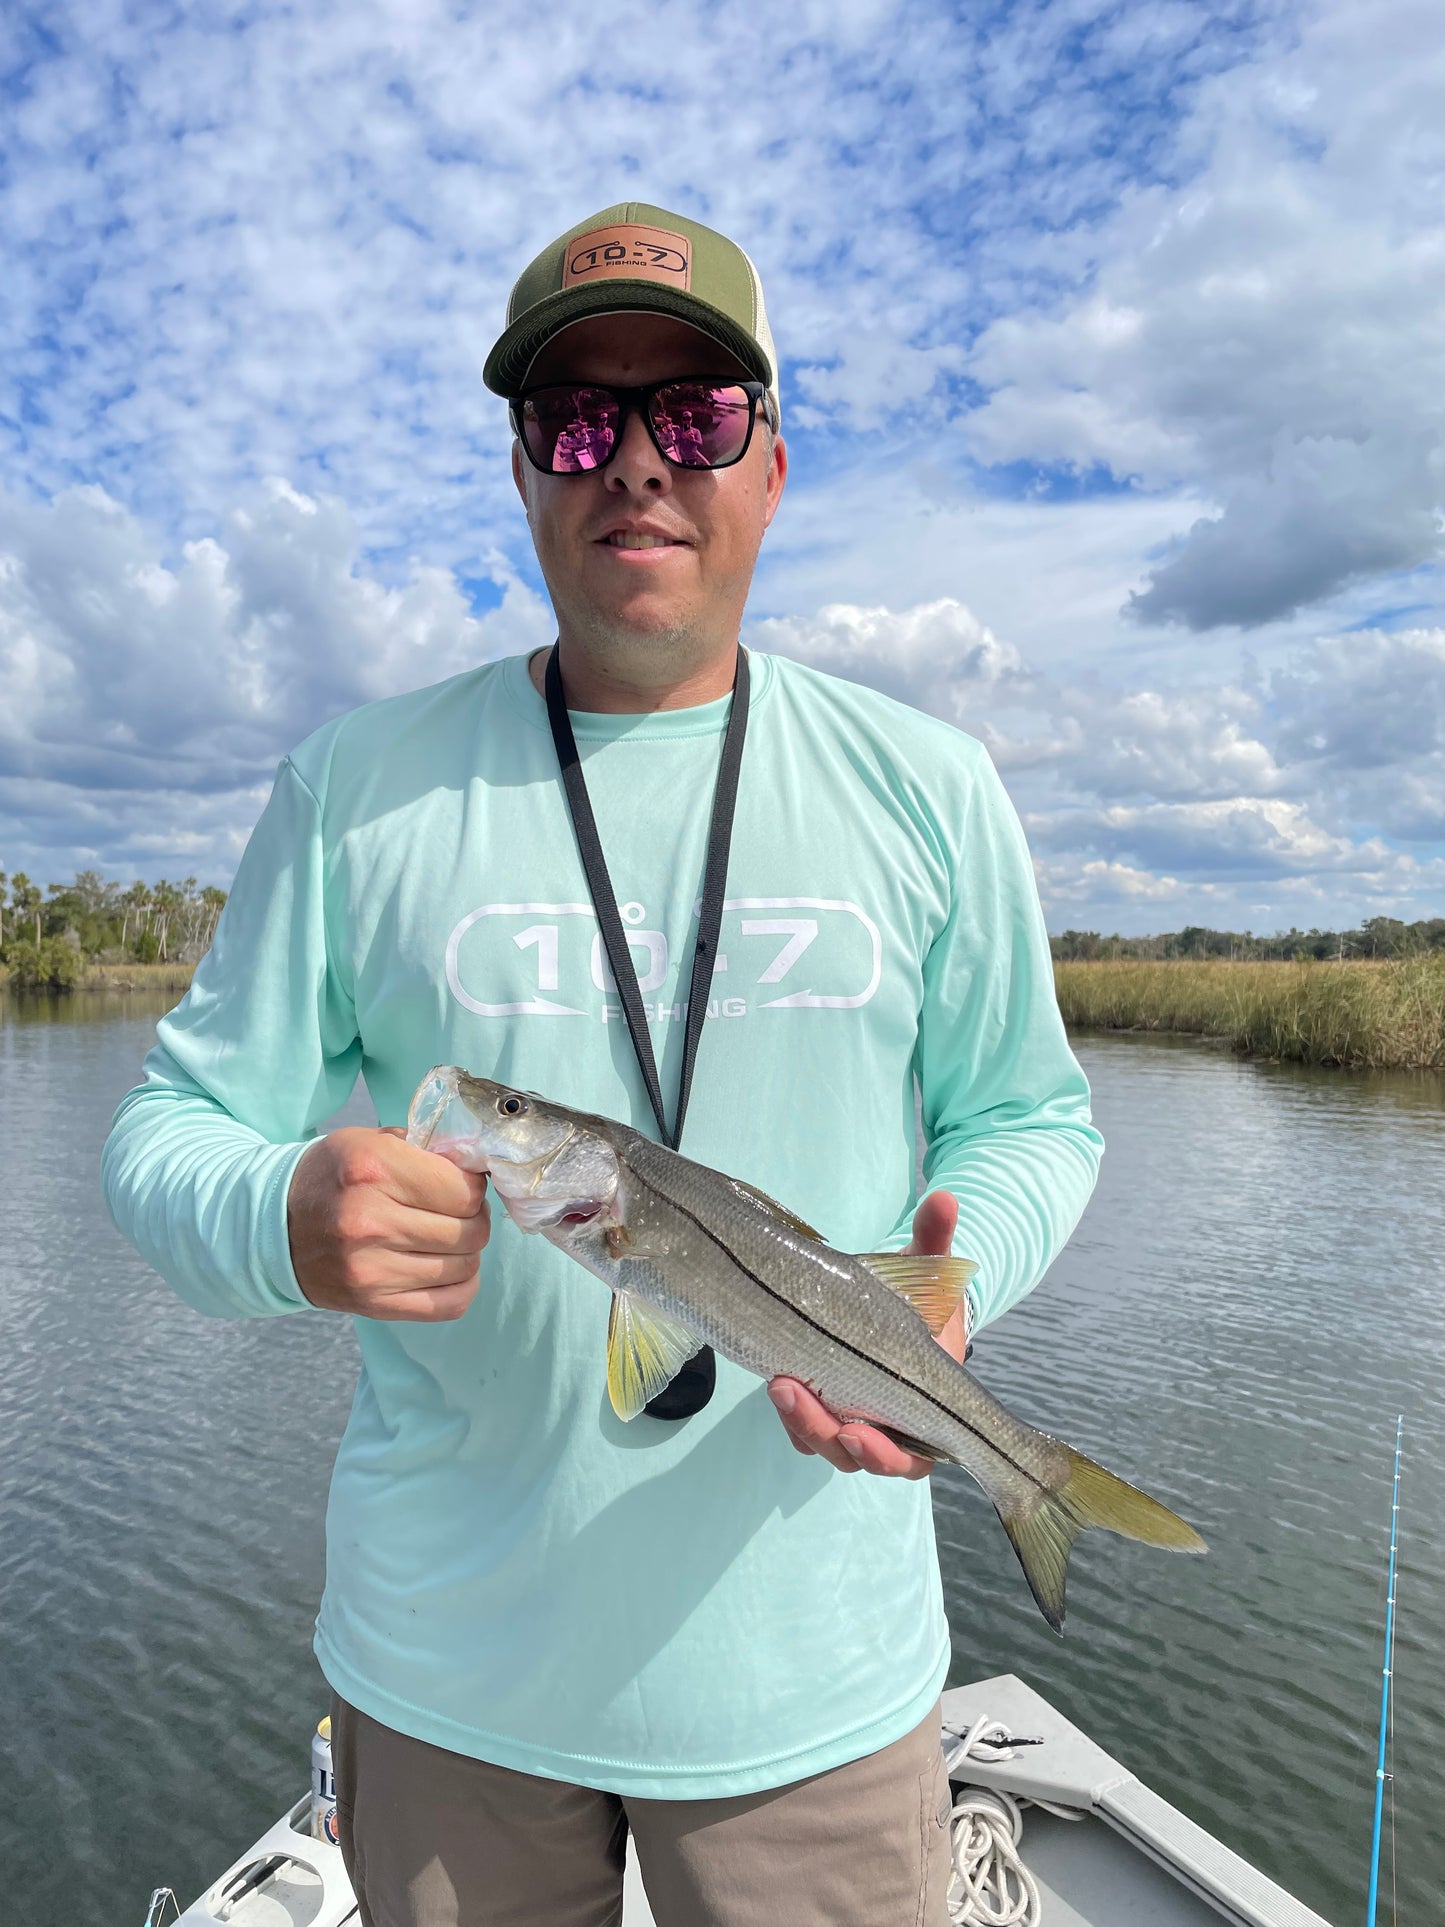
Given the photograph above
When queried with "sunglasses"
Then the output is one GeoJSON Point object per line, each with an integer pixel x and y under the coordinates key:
{"type": "Point", "coordinates": [573, 427]}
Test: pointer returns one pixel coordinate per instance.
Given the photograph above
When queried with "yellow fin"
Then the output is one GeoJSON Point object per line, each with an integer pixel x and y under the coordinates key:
{"type": "Point", "coordinates": [933, 1286]}
{"type": "Point", "coordinates": [645, 1351]}
{"type": "Point", "coordinates": [774, 1209]}
{"type": "Point", "coordinates": [1044, 1529]}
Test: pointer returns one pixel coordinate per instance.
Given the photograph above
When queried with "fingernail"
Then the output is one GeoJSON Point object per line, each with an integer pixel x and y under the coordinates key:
{"type": "Point", "coordinates": [853, 1447]}
{"type": "Point", "coordinates": [785, 1398]}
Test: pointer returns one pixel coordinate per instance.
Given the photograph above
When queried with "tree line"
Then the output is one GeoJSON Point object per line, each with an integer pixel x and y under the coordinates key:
{"type": "Point", "coordinates": [1375, 937]}
{"type": "Point", "coordinates": [47, 936]}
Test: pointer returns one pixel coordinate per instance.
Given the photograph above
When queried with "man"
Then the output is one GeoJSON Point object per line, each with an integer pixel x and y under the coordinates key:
{"type": "Point", "coordinates": [544, 1628]}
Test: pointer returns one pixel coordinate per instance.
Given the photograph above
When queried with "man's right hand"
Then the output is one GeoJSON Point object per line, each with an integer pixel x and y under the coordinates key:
{"type": "Point", "coordinates": [383, 1230]}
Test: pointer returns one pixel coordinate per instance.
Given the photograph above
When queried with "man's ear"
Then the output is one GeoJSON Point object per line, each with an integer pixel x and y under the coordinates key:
{"type": "Point", "coordinates": [777, 477]}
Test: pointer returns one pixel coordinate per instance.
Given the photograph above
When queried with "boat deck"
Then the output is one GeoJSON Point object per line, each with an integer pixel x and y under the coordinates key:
{"type": "Point", "coordinates": [1128, 1860]}
{"type": "Point", "coordinates": [1131, 1859]}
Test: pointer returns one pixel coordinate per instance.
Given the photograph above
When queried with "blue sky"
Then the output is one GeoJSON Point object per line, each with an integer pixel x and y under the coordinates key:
{"type": "Point", "coordinates": [1112, 382]}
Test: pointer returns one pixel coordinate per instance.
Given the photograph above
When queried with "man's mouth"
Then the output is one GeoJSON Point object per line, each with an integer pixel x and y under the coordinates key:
{"type": "Point", "coordinates": [625, 539]}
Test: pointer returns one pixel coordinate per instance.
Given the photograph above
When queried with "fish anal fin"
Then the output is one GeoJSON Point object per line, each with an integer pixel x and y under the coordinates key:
{"type": "Point", "coordinates": [1043, 1529]}
{"type": "Point", "coordinates": [645, 1351]}
{"type": "Point", "coordinates": [851, 1415]}
{"type": "Point", "coordinates": [934, 1286]}
{"type": "Point", "coordinates": [776, 1210]}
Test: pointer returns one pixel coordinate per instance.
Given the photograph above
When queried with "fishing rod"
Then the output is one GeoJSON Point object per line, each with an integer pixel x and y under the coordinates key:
{"type": "Point", "coordinates": [1373, 1901]}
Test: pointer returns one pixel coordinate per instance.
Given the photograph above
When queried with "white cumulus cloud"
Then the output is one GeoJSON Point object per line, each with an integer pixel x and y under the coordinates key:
{"type": "Point", "coordinates": [937, 656]}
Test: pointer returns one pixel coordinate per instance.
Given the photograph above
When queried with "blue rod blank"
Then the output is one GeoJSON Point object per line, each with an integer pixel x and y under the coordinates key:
{"type": "Point", "coordinates": [1373, 1901]}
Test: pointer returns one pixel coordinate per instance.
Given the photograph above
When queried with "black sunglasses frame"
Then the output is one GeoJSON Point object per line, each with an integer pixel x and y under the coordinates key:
{"type": "Point", "coordinates": [630, 400]}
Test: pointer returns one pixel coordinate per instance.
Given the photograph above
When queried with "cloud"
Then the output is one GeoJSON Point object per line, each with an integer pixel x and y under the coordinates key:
{"type": "Point", "coordinates": [1047, 574]}
{"type": "Point", "coordinates": [875, 374]}
{"type": "Point", "coordinates": [1105, 885]}
{"type": "Point", "coordinates": [1262, 329]}
{"type": "Point", "coordinates": [1196, 797]}
{"type": "Point", "coordinates": [1372, 700]}
{"type": "Point", "coordinates": [1363, 715]}
{"type": "Point", "coordinates": [1191, 743]}
{"type": "Point", "coordinates": [122, 670]}
{"type": "Point", "coordinates": [1321, 513]}
{"type": "Point", "coordinates": [1233, 837]}
{"type": "Point", "coordinates": [937, 655]}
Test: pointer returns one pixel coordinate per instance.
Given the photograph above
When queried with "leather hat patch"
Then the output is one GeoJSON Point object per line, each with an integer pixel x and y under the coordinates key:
{"type": "Point", "coordinates": [638, 253]}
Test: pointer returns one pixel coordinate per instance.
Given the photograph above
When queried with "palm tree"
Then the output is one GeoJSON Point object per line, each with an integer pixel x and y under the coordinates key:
{"type": "Point", "coordinates": [25, 900]}
{"type": "Point", "coordinates": [214, 901]}
{"type": "Point", "coordinates": [166, 897]}
{"type": "Point", "coordinates": [132, 903]}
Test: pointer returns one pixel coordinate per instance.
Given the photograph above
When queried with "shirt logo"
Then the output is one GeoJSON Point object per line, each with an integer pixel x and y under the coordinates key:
{"type": "Point", "coordinates": [638, 253]}
{"type": "Point", "coordinates": [550, 957]}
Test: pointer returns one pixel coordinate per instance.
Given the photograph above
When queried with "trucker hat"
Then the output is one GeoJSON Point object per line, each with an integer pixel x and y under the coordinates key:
{"type": "Point", "coordinates": [635, 258]}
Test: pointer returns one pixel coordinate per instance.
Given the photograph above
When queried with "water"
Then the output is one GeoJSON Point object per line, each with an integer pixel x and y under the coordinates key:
{"type": "Point", "coordinates": [1250, 1301]}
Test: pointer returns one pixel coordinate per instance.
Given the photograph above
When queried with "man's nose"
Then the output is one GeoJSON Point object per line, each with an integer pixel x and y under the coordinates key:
{"type": "Point", "coordinates": [637, 465]}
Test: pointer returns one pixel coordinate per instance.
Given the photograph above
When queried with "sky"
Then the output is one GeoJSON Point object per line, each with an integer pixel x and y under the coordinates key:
{"type": "Point", "coordinates": [1113, 383]}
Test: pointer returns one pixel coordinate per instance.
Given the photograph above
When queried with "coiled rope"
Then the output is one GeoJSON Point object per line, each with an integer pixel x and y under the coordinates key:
{"type": "Point", "coordinates": [991, 1886]}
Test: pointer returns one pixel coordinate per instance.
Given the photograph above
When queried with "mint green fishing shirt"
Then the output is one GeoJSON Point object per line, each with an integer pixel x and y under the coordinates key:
{"type": "Point", "coordinates": [665, 1609]}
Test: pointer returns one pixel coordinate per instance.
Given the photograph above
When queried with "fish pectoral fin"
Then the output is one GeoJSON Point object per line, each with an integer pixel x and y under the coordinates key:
{"type": "Point", "coordinates": [1043, 1529]}
{"type": "Point", "coordinates": [776, 1210]}
{"type": "Point", "coordinates": [645, 1351]}
{"type": "Point", "coordinates": [933, 1286]}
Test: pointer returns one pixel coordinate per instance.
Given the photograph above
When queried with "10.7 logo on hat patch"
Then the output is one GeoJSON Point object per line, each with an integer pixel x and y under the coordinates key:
{"type": "Point", "coordinates": [639, 253]}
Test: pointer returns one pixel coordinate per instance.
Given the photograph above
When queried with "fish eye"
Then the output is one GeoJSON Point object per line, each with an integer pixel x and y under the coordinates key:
{"type": "Point", "coordinates": [511, 1105]}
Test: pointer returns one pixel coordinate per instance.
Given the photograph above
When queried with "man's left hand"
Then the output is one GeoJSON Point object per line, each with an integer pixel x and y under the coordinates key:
{"type": "Point", "coordinates": [855, 1447]}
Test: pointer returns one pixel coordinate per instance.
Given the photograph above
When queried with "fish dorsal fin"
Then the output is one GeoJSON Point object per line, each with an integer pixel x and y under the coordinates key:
{"type": "Point", "coordinates": [776, 1210]}
{"type": "Point", "coordinates": [933, 1286]}
{"type": "Point", "coordinates": [645, 1351]}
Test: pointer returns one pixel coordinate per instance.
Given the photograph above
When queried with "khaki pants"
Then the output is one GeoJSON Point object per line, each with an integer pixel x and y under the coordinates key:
{"type": "Point", "coordinates": [436, 1839]}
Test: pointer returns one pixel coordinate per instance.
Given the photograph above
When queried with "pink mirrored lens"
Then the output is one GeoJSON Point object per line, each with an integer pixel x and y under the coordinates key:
{"type": "Point", "coordinates": [569, 430]}
{"type": "Point", "coordinates": [701, 424]}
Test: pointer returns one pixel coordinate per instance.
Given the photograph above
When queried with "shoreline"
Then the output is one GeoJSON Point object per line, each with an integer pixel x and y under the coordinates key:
{"type": "Point", "coordinates": [116, 977]}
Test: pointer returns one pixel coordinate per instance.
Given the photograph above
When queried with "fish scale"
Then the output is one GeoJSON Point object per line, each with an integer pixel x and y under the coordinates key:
{"type": "Point", "coordinates": [695, 1257]}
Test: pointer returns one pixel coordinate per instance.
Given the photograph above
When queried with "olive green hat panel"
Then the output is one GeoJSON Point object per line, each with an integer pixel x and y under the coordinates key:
{"type": "Point", "coordinates": [634, 257]}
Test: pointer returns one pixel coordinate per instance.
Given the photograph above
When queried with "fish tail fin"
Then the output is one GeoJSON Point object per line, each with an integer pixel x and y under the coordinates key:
{"type": "Point", "coordinates": [1044, 1528]}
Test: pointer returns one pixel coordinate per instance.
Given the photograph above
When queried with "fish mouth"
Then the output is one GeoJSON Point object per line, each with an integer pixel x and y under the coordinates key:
{"type": "Point", "coordinates": [535, 1213]}
{"type": "Point", "coordinates": [546, 1214]}
{"type": "Point", "coordinates": [581, 1211]}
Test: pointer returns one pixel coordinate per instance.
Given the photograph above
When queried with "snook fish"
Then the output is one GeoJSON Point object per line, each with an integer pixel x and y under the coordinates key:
{"type": "Point", "coordinates": [693, 1257]}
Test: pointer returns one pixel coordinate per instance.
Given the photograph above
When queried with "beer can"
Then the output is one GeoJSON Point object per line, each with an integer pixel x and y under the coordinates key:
{"type": "Point", "coordinates": [323, 1785]}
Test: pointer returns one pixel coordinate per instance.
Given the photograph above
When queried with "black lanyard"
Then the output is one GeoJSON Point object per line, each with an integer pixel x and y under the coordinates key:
{"type": "Point", "coordinates": [693, 1385]}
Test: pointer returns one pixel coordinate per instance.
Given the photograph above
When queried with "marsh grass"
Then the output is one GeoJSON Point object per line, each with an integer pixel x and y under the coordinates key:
{"type": "Point", "coordinates": [126, 976]}
{"type": "Point", "coordinates": [1386, 1015]}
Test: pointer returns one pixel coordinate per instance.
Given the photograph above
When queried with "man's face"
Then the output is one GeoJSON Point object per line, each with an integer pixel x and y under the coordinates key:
{"type": "Point", "coordinates": [678, 602]}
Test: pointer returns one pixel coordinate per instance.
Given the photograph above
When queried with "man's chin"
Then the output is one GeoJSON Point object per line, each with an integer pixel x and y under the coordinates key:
{"type": "Point", "coordinates": [643, 623]}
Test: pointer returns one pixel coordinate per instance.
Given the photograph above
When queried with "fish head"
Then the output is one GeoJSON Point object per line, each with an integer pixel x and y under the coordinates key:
{"type": "Point", "coordinates": [551, 1169]}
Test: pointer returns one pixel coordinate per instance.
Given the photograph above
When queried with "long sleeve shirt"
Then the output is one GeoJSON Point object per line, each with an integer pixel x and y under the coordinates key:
{"type": "Point", "coordinates": [679, 1609]}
